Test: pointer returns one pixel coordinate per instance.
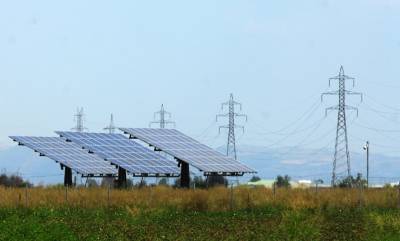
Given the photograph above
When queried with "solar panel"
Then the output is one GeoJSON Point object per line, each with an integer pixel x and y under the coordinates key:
{"type": "Point", "coordinates": [188, 150]}
{"type": "Point", "coordinates": [68, 154]}
{"type": "Point", "coordinates": [125, 153]}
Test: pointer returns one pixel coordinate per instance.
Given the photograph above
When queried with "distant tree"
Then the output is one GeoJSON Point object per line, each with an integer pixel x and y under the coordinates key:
{"type": "Point", "coordinates": [129, 183]}
{"type": "Point", "coordinates": [360, 181]}
{"type": "Point", "coordinates": [107, 182]}
{"type": "Point", "coordinates": [282, 181]}
{"type": "Point", "coordinates": [92, 183]}
{"type": "Point", "coordinates": [318, 181]}
{"type": "Point", "coordinates": [177, 183]}
{"type": "Point", "coordinates": [13, 181]}
{"type": "Point", "coordinates": [210, 181]}
{"type": "Point", "coordinates": [350, 181]}
{"type": "Point", "coordinates": [387, 185]}
{"type": "Point", "coordinates": [213, 181]}
{"type": "Point", "coordinates": [255, 179]}
{"type": "Point", "coordinates": [163, 181]}
{"type": "Point", "coordinates": [141, 184]}
{"type": "Point", "coordinates": [198, 182]}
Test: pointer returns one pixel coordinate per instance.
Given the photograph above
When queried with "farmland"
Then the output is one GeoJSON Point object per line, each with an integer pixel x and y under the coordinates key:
{"type": "Point", "coordinates": [162, 213]}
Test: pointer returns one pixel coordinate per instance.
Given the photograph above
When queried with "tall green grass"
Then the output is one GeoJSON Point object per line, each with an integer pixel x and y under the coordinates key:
{"type": "Point", "coordinates": [215, 199]}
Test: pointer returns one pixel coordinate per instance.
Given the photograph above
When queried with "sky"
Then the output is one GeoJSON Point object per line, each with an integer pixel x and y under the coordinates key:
{"type": "Point", "coordinates": [129, 57]}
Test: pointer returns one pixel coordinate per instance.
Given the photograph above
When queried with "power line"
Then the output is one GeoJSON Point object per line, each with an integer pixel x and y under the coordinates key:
{"type": "Point", "coordinates": [317, 123]}
{"type": "Point", "coordinates": [318, 139]}
{"type": "Point", "coordinates": [205, 131]}
{"type": "Point", "coordinates": [377, 129]}
{"type": "Point", "coordinates": [231, 115]}
{"type": "Point", "coordinates": [307, 114]}
{"type": "Point", "coordinates": [383, 105]}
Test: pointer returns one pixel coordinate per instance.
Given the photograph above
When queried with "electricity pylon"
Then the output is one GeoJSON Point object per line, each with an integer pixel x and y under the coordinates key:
{"type": "Point", "coordinates": [79, 119]}
{"type": "Point", "coordinates": [111, 127]}
{"type": "Point", "coordinates": [341, 161]}
{"type": "Point", "coordinates": [231, 144]}
{"type": "Point", "coordinates": [162, 118]}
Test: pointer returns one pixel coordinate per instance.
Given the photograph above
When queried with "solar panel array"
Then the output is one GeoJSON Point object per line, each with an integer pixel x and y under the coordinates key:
{"type": "Point", "coordinates": [188, 150]}
{"type": "Point", "coordinates": [68, 154]}
{"type": "Point", "coordinates": [123, 152]}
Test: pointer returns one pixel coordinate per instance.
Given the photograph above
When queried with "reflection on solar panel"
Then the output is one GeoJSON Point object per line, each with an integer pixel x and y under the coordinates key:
{"type": "Point", "coordinates": [189, 150]}
{"type": "Point", "coordinates": [68, 154]}
{"type": "Point", "coordinates": [125, 153]}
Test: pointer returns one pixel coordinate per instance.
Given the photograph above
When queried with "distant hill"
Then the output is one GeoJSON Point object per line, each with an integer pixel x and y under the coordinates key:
{"type": "Point", "coordinates": [269, 162]}
{"type": "Point", "coordinates": [312, 164]}
{"type": "Point", "coordinates": [30, 165]}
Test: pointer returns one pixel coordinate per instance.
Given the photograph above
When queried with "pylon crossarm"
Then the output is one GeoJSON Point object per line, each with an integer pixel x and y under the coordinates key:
{"type": "Point", "coordinates": [239, 104]}
{"type": "Point", "coordinates": [330, 109]}
{"type": "Point", "coordinates": [241, 115]}
{"type": "Point", "coordinates": [350, 78]}
{"type": "Point", "coordinates": [348, 107]}
{"type": "Point", "coordinates": [222, 127]}
{"type": "Point", "coordinates": [333, 78]}
{"type": "Point", "coordinates": [221, 115]}
{"type": "Point", "coordinates": [355, 93]}
{"type": "Point", "coordinates": [170, 123]}
{"type": "Point", "coordinates": [240, 127]}
{"type": "Point", "coordinates": [224, 104]}
{"type": "Point", "coordinates": [152, 123]}
{"type": "Point", "coordinates": [328, 93]}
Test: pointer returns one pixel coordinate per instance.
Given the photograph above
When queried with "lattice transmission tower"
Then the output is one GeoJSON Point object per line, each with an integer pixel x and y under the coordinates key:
{"type": "Point", "coordinates": [231, 115]}
{"type": "Point", "coordinates": [341, 160]}
{"type": "Point", "coordinates": [162, 118]}
{"type": "Point", "coordinates": [111, 127]}
{"type": "Point", "coordinates": [79, 119]}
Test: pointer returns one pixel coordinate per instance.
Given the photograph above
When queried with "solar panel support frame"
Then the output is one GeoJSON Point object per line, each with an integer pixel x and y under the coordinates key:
{"type": "Point", "coordinates": [185, 174]}
{"type": "Point", "coordinates": [121, 181]}
{"type": "Point", "coordinates": [224, 174]}
{"type": "Point", "coordinates": [67, 177]}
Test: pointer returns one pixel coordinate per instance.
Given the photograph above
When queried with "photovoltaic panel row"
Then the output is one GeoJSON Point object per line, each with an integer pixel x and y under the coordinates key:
{"type": "Point", "coordinates": [187, 149]}
{"type": "Point", "coordinates": [68, 154]}
{"type": "Point", "coordinates": [124, 152]}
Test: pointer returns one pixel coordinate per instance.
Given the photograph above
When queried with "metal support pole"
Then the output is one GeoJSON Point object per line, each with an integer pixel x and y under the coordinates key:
{"type": "Point", "coordinates": [66, 194]}
{"type": "Point", "coordinates": [67, 177]}
{"type": "Point", "coordinates": [151, 195]}
{"type": "Point", "coordinates": [121, 178]}
{"type": "Point", "coordinates": [360, 197]}
{"type": "Point", "coordinates": [231, 198]}
{"type": "Point", "coordinates": [185, 175]}
{"type": "Point", "coordinates": [399, 194]}
{"type": "Point", "coordinates": [108, 194]}
{"type": "Point", "coordinates": [367, 163]}
{"type": "Point", "coordinates": [26, 195]}
{"type": "Point", "coordinates": [248, 199]}
{"type": "Point", "coordinates": [274, 189]}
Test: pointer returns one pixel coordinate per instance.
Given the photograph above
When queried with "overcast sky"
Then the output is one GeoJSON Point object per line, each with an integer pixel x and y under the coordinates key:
{"type": "Point", "coordinates": [129, 57]}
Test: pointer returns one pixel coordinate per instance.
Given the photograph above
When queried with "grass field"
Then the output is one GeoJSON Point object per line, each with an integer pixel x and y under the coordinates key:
{"type": "Point", "coordinates": [163, 213]}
